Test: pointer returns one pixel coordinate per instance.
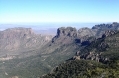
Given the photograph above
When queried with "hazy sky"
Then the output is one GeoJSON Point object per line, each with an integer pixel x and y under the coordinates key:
{"type": "Point", "coordinates": [21, 11]}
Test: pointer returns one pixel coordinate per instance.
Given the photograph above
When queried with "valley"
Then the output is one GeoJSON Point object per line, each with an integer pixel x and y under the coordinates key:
{"type": "Point", "coordinates": [25, 54]}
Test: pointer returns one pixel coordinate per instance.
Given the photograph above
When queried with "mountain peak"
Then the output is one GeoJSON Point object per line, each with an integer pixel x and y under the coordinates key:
{"type": "Point", "coordinates": [113, 26]}
{"type": "Point", "coordinates": [68, 31]}
{"type": "Point", "coordinates": [20, 39]}
{"type": "Point", "coordinates": [16, 32]}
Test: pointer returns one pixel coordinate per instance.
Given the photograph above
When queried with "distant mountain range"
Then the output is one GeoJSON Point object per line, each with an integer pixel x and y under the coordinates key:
{"type": "Point", "coordinates": [15, 41]}
{"type": "Point", "coordinates": [33, 54]}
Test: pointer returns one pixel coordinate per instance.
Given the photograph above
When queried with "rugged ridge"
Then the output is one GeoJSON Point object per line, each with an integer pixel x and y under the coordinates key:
{"type": "Point", "coordinates": [83, 34]}
{"type": "Point", "coordinates": [70, 34]}
{"type": "Point", "coordinates": [101, 49]}
{"type": "Point", "coordinates": [69, 31]}
{"type": "Point", "coordinates": [15, 41]}
{"type": "Point", "coordinates": [84, 43]}
{"type": "Point", "coordinates": [101, 28]}
{"type": "Point", "coordinates": [65, 34]}
{"type": "Point", "coordinates": [97, 59]}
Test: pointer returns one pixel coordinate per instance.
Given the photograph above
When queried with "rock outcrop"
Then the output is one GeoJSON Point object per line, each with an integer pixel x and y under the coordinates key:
{"type": "Point", "coordinates": [65, 35]}
{"type": "Point", "coordinates": [84, 36]}
{"type": "Point", "coordinates": [67, 42]}
{"type": "Point", "coordinates": [69, 31]}
{"type": "Point", "coordinates": [71, 34]}
{"type": "Point", "coordinates": [101, 28]}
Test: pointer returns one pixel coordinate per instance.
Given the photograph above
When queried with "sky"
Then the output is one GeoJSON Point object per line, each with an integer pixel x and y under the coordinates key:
{"type": "Point", "coordinates": [42, 11]}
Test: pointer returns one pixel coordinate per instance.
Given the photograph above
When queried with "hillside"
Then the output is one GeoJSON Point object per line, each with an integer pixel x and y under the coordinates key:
{"type": "Point", "coordinates": [102, 49]}
{"type": "Point", "coordinates": [99, 59]}
{"type": "Point", "coordinates": [18, 41]}
{"type": "Point", "coordinates": [43, 53]}
{"type": "Point", "coordinates": [42, 59]}
{"type": "Point", "coordinates": [83, 69]}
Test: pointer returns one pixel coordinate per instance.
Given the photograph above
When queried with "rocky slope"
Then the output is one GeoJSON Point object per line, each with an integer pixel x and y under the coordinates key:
{"type": "Point", "coordinates": [103, 49]}
{"type": "Point", "coordinates": [15, 41]}
{"type": "Point", "coordinates": [98, 59]}
{"type": "Point", "coordinates": [101, 28]}
{"type": "Point", "coordinates": [48, 54]}
{"type": "Point", "coordinates": [70, 34]}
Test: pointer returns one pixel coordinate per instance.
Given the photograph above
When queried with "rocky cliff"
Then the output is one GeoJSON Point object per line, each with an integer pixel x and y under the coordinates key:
{"type": "Point", "coordinates": [68, 42]}
{"type": "Point", "coordinates": [14, 41]}
{"type": "Point", "coordinates": [99, 58]}
{"type": "Point", "coordinates": [71, 35]}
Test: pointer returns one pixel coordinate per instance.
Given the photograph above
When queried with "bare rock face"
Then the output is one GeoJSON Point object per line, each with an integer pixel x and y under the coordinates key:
{"type": "Point", "coordinates": [70, 34]}
{"type": "Point", "coordinates": [16, 32]}
{"type": "Point", "coordinates": [65, 35]}
{"type": "Point", "coordinates": [18, 40]}
{"type": "Point", "coordinates": [69, 31]}
{"type": "Point", "coordinates": [11, 39]}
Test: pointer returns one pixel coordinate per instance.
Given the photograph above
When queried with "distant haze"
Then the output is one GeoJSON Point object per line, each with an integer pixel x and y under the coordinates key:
{"type": "Point", "coordinates": [45, 28]}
